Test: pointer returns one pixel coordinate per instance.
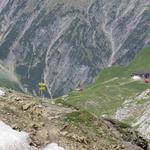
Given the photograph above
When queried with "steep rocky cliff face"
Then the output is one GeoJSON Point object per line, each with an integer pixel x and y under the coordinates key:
{"type": "Point", "coordinates": [67, 42]}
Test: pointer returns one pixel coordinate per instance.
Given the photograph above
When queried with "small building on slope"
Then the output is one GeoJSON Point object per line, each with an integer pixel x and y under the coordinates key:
{"type": "Point", "coordinates": [140, 75]}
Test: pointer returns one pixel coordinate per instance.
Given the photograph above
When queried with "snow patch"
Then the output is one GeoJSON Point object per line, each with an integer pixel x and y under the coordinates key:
{"type": "Point", "coordinates": [13, 140]}
{"type": "Point", "coordinates": [2, 93]}
{"type": "Point", "coordinates": [53, 146]}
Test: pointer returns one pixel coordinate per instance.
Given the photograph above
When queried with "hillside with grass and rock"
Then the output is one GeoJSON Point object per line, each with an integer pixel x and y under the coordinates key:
{"type": "Point", "coordinates": [72, 129]}
{"type": "Point", "coordinates": [84, 54]}
{"type": "Point", "coordinates": [116, 95]}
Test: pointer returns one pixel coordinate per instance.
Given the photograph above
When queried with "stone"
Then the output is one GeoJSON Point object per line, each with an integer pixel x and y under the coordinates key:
{"type": "Point", "coordinates": [64, 133]}
{"type": "Point", "coordinates": [17, 98]}
{"type": "Point", "coordinates": [28, 105]}
{"type": "Point", "coordinates": [65, 96]}
{"type": "Point", "coordinates": [34, 126]}
{"type": "Point", "coordinates": [60, 104]}
{"type": "Point", "coordinates": [52, 102]}
{"type": "Point", "coordinates": [43, 134]}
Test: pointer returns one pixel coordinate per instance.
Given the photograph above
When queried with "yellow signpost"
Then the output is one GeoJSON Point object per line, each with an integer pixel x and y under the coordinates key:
{"type": "Point", "coordinates": [42, 88]}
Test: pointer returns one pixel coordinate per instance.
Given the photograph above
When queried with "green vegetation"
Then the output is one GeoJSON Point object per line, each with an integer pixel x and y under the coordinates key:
{"type": "Point", "coordinates": [118, 124]}
{"type": "Point", "coordinates": [141, 101]}
{"type": "Point", "coordinates": [101, 128]}
{"type": "Point", "coordinates": [80, 117]}
{"type": "Point", "coordinates": [111, 88]}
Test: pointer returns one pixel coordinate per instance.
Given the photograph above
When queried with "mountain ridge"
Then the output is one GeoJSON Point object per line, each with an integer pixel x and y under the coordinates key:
{"type": "Point", "coordinates": [64, 43]}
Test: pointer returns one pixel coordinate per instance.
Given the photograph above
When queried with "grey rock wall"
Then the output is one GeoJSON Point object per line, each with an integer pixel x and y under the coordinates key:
{"type": "Point", "coordinates": [65, 42]}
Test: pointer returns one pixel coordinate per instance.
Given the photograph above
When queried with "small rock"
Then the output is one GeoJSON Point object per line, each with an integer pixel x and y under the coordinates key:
{"type": "Point", "coordinates": [27, 106]}
{"type": "Point", "coordinates": [65, 96]}
{"type": "Point", "coordinates": [59, 104]}
{"type": "Point", "coordinates": [52, 102]}
{"type": "Point", "coordinates": [15, 126]}
{"type": "Point", "coordinates": [43, 134]}
{"type": "Point", "coordinates": [41, 124]}
{"type": "Point", "coordinates": [10, 91]}
{"type": "Point", "coordinates": [34, 126]}
{"type": "Point", "coordinates": [17, 98]}
{"type": "Point", "coordinates": [64, 133]}
{"type": "Point", "coordinates": [114, 146]}
{"type": "Point", "coordinates": [122, 147]}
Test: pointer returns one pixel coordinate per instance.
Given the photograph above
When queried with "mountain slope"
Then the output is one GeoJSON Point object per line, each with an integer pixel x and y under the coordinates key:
{"type": "Point", "coordinates": [116, 95]}
{"type": "Point", "coordinates": [72, 129]}
{"type": "Point", "coordinates": [66, 43]}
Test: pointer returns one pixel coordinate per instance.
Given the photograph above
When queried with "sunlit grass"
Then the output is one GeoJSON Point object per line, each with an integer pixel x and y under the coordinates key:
{"type": "Point", "coordinates": [111, 87]}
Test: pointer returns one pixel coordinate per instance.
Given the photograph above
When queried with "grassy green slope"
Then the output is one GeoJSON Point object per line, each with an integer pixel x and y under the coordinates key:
{"type": "Point", "coordinates": [111, 87]}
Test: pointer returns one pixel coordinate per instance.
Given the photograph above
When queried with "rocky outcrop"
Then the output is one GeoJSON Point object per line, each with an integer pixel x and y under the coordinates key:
{"type": "Point", "coordinates": [136, 111]}
{"type": "Point", "coordinates": [25, 113]}
{"type": "Point", "coordinates": [66, 43]}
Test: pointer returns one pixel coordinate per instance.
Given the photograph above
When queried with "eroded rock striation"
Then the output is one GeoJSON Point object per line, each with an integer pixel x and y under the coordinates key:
{"type": "Point", "coordinates": [67, 42]}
